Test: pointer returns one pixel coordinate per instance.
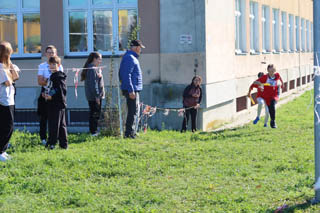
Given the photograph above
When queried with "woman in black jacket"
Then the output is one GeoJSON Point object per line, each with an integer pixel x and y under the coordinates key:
{"type": "Point", "coordinates": [192, 96]}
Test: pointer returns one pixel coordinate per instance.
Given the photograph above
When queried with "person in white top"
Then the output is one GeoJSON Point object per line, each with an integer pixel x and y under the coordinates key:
{"type": "Point", "coordinates": [44, 74]}
{"type": "Point", "coordinates": [8, 74]}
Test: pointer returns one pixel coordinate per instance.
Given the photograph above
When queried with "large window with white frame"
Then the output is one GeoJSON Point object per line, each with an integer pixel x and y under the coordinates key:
{"type": "Point", "coordinates": [265, 22]}
{"type": "Point", "coordinates": [303, 35]}
{"type": "Point", "coordinates": [240, 27]}
{"type": "Point", "coordinates": [275, 30]}
{"type": "Point", "coordinates": [308, 35]}
{"type": "Point", "coordinates": [99, 25]}
{"type": "Point", "coordinates": [20, 25]}
{"type": "Point", "coordinates": [291, 32]}
{"type": "Point", "coordinates": [254, 27]}
{"type": "Point", "coordinates": [284, 36]}
{"type": "Point", "coordinates": [297, 28]}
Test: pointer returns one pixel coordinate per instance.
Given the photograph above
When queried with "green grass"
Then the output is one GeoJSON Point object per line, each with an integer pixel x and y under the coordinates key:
{"type": "Point", "coordinates": [250, 169]}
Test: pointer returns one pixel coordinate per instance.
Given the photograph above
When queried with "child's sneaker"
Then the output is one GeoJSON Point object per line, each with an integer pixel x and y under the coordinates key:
{"type": "Point", "coordinates": [265, 125]}
{"type": "Point", "coordinates": [256, 120]}
{"type": "Point", "coordinates": [3, 158]}
{"type": "Point", "coordinates": [273, 124]}
{"type": "Point", "coordinates": [7, 155]}
{"type": "Point", "coordinates": [95, 134]}
{"type": "Point", "coordinates": [44, 142]}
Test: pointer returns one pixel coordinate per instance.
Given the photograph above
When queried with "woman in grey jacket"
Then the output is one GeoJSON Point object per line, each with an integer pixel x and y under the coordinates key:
{"type": "Point", "coordinates": [94, 89]}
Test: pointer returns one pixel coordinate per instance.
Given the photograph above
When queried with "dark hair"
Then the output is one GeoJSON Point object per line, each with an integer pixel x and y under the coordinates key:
{"type": "Point", "coordinates": [91, 57]}
{"type": "Point", "coordinates": [54, 60]}
{"type": "Point", "coordinates": [52, 48]}
{"type": "Point", "coordinates": [260, 74]}
{"type": "Point", "coordinates": [270, 66]}
{"type": "Point", "coordinates": [196, 76]}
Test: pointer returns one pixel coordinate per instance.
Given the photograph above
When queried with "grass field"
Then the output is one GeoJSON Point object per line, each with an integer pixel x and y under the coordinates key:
{"type": "Point", "coordinates": [250, 169]}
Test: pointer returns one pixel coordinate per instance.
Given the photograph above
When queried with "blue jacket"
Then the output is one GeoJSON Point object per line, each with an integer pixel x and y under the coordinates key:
{"type": "Point", "coordinates": [130, 73]}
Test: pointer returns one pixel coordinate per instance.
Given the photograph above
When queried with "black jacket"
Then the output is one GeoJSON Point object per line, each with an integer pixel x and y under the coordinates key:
{"type": "Point", "coordinates": [58, 90]}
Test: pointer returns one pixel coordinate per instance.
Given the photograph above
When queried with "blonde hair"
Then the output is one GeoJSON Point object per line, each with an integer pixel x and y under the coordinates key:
{"type": "Point", "coordinates": [5, 53]}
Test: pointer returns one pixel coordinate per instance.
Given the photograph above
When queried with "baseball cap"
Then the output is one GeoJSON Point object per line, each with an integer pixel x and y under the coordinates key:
{"type": "Point", "coordinates": [135, 43]}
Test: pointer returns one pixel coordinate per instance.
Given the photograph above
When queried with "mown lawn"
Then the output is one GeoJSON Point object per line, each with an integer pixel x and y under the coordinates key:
{"type": "Point", "coordinates": [251, 169]}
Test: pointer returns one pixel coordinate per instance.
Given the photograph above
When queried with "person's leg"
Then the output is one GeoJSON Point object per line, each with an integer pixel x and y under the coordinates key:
{"type": "Point", "coordinates": [272, 111]}
{"type": "Point", "coordinates": [193, 113]}
{"type": "Point", "coordinates": [43, 123]}
{"type": "Point", "coordinates": [185, 121]}
{"type": "Point", "coordinates": [266, 117]}
{"type": "Point", "coordinates": [260, 103]}
{"type": "Point", "coordinates": [53, 121]}
{"type": "Point", "coordinates": [94, 115]}
{"type": "Point", "coordinates": [63, 141]}
{"type": "Point", "coordinates": [6, 126]}
{"type": "Point", "coordinates": [136, 115]}
{"type": "Point", "coordinates": [132, 111]}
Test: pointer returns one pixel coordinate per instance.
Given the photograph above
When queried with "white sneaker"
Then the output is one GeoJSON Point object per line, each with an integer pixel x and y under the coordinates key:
{"type": "Point", "coordinates": [44, 142]}
{"type": "Point", "coordinates": [3, 158]}
{"type": "Point", "coordinates": [7, 155]}
{"type": "Point", "coordinates": [95, 134]}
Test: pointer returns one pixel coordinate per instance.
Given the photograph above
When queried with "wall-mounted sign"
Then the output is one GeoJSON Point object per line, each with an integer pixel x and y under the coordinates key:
{"type": "Point", "coordinates": [185, 39]}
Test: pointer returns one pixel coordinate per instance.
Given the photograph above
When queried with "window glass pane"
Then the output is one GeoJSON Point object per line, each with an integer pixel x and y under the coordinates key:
{"type": "Point", "coordinates": [9, 31]}
{"type": "Point", "coordinates": [102, 2]}
{"type": "Point", "coordinates": [78, 31]}
{"type": "Point", "coordinates": [127, 25]}
{"type": "Point", "coordinates": [102, 30]}
{"type": "Point", "coordinates": [78, 3]}
{"type": "Point", "coordinates": [31, 3]}
{"type": "Point", "coordinates": [127, 1]}
{"type": "Point", "coordinates": [31, 33]}
{"type": "Point", "coordinates": [8, 4]}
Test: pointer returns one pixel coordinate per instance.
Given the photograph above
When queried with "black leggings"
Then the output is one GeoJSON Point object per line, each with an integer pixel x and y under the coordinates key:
{"type": "Point", "coordinates": [6, 126]}
{"type": "Point", "coordinates": [193, 113]}
{"type": "Point", "coordinates": [272, 110]}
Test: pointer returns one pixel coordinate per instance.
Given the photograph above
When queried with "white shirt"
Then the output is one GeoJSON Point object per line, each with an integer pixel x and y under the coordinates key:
{"type": "Point", "coordinates": [44, 70]}
{"type": "Point", "coordinates": [6, 92]}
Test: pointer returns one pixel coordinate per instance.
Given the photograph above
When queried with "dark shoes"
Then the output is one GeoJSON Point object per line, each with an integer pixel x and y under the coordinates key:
{"type": "Point", "coordinates": [273, 124]}
{"type": "Point", "coordinates": [130, 136]}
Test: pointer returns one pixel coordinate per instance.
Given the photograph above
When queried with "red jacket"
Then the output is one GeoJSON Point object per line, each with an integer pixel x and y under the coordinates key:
{"type": "Point", "coordinates": [270, 92]}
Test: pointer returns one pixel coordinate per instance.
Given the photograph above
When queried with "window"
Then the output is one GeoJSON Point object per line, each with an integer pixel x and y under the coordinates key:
{"type": "Point", "coordinates": [275, 30]}
{"type": "Point", "coordinates": [99, 25]}
{"type": "Point", "coordinates": [240, 37]}
{"type": "Point", "coordinates": [311, 32]}
{"type": "Point", "coordinates": [265, 29]}
{"type": "Point", "coordinates": [284, 26]}
{"type": "Point", "coordinates": [20, 25]}
{"type": "Point", "coordinates": [303, 35]}
{"type": "Point", "coordinates": [297, 27]}
{"type": "Point", "coordinates": [308, 35]}
{"type": "Point", "coordinates": [291, 32]}
{"type": "Point", "coordinates": [254, 27]}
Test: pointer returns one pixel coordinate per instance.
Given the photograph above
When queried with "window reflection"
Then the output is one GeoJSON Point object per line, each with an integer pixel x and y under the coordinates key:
{"type": "Point", "coordinates": [31, 33]}
{"type": "Point", "coordinates": [8, 4]}
{"type": "Point", "coordinates": [78, 3]}
{"type": "Point", "coordinates": [31, 4]}
{"type": "Point", "coordinates": [127, 24]}
{"type": "Point", "coordinates": [78, 31]}
{"type": "Point", "coordinates": [127, 1]}
{"type": "Point", "coordinates": [9, 30]}
{"type": "Point", "coordinates": [102, 30]}
{"type": "Point", "coordinates": [102, 2]}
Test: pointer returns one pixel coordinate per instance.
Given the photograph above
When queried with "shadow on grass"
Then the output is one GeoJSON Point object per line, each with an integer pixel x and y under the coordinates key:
{"type": "Point", "coordinates": [301, 206]}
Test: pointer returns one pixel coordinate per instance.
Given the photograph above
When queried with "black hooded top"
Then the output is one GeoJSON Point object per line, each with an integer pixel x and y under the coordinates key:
{"type": "Point", "coordinates": [58, 90]}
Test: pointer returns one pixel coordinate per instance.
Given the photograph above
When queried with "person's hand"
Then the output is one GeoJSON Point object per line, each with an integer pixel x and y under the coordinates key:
{"type": "Point", "coordinates": [132, 95]}
{"type": "Point", "coordinates": [43, 95]}
{"type": "Point", "coordinates": [281, 86]}
{"type": "Point", "coordinates": [197, 106]}
{"type": "Point", "coordinates": [249, 94]}
{"type": "Point", "coordinates": [48, 97]}
{"type": "Point", "coordinates": [98, 101]}
{"type": "Point", "coordinates": [261, 87]}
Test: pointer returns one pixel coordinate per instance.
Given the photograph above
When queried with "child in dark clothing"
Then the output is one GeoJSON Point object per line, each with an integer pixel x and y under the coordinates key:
{"type": "Point", "coordinates": [192, 96]}
{"type": "Point", "coordinates": [57, 105]}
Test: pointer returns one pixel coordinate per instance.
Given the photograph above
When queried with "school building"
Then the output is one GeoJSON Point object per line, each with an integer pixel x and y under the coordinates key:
{"type": "Point", "coordinates": [226, 42]}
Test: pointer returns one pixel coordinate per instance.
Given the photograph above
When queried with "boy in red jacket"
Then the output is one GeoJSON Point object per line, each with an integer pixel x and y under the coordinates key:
{"type": "Point", "coordinates": [269, 85]}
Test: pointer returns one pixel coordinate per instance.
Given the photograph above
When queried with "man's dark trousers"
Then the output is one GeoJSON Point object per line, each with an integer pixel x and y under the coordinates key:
{"type": "Point", "coordinates": [133, 112]}
{"type": "Point", "coordinates": [57, 127]}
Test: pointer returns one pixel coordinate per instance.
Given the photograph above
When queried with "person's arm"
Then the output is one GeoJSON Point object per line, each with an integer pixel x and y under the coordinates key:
{"type": "Point", "coordinates": [4, 77]}
{"type": "Point", "coordinates": [14, 69]}
{"type": "Point", "coordinates": [250, 89]}
{"type": "Point", "coordinates": [200, 97]}
{"type": "Point", "coordinates": [186, 92]}
{"type": "Point", "coordinates": [42, 81]}
{"type": "Point", "coordinates": [127, 69]}
{"type": "Point", "coordinates": [281, 82]}
{"type": "Point", "coordinates": [91, 79]}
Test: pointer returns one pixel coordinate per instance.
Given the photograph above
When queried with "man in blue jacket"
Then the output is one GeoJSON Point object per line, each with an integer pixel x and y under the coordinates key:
{"type": "Point", "coordinates": [130, 75]}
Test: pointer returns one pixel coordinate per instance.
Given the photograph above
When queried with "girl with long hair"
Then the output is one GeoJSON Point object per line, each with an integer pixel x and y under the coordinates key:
{"type": "Point", "coordinates": [94, 89]}
{"type": "Point", "coordinates": [8, 74]}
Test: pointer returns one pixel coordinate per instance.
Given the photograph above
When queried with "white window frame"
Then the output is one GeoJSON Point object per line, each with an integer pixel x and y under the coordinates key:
{"type": "Point", "coordinates": [265, 24]}
{"type": "Point", "coordinates": [311, 37]}
{"type": "Point", "coordinates": [19, 12]}
{"type": "Point", "coordinates": [303, 35]}
{"type": "Point", "coordinates": [240, 27]}
{"type": "Point", "coordinates": [254, 27]}
{"type": "Point", "coordinates": [298, 34]}
{"type": "Point", "coordinates": [275, 31]}
{"type": "Point", "coordinates": [114, 7]}
{"type": "Point", "coordinates": [291, 32]}
{"type": "Point", "coordinates": [284, 30]}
